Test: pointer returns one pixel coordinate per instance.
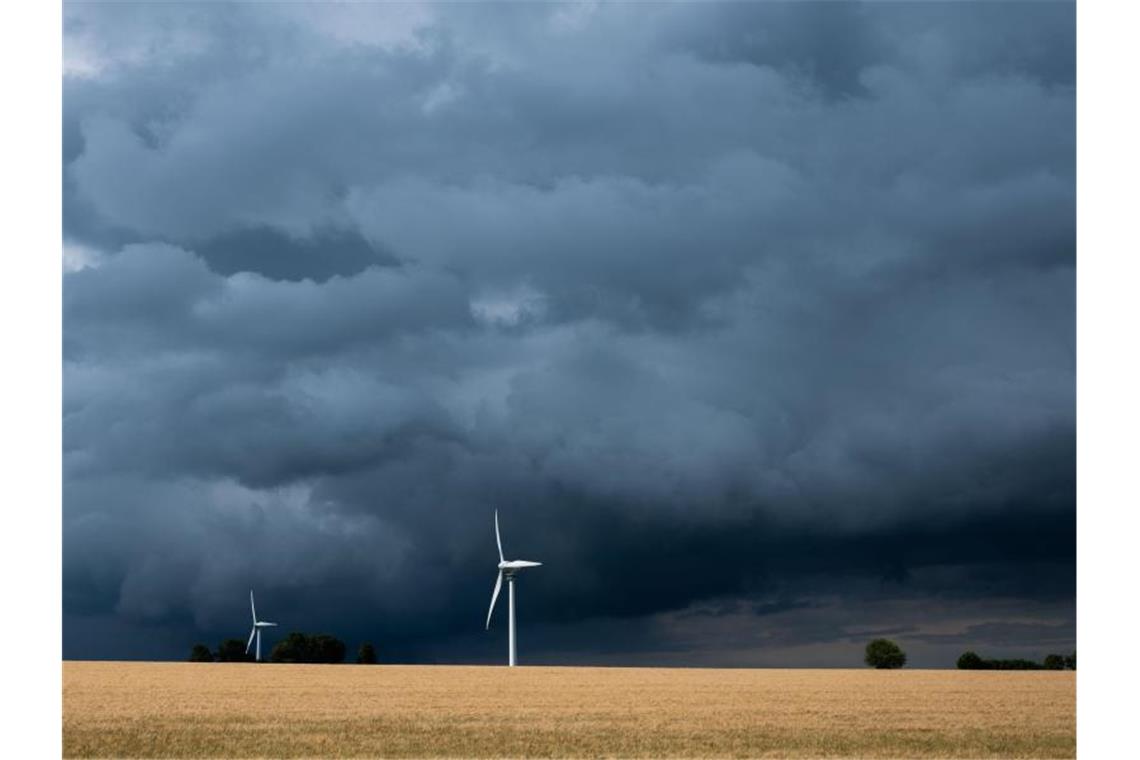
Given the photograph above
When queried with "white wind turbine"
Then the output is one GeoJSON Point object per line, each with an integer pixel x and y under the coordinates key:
{"type": "Point", "coordinates": [508, 569]}
{"type": "Point", "coordinates": [256, 631]}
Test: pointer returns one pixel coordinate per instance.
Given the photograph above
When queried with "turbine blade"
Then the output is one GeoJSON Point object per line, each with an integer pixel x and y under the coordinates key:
{"type": "Point", "coordinates": [498, 539]}
{"type": "Point", "coordinates": [250, 642]}
{"type": "Point", "coordinates": [494, 596]}
{"type": "Point", "coordinates": [251, 607]}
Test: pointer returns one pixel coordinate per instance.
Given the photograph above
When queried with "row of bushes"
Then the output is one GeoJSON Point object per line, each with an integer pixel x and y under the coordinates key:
{"type": "Point", "coordinates": [972, 661]}
{"type": "Point", "coordinates": [885, 654]}
{"type": "Point", "coordinates": [296, 647]}
{"type": "Point", "coordinates": [300, 647]}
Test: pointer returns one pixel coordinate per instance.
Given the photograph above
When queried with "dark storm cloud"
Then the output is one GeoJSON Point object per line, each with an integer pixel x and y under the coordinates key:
{"type": "Point", "coordinates": [831, 44]}
{"type": "Point", "coordinates": [755, 321]}
{"type": "Point", "coordinates": [326, 254]}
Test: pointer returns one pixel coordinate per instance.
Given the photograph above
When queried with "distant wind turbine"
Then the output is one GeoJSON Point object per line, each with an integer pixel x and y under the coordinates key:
{"type": "Point", "coordinates": [256, 631]}
{"type": "Point", "coordinates": [508, 569]}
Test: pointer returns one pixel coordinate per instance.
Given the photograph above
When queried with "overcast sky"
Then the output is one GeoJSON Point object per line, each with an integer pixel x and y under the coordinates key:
{"type": "Point", "coordinates": [754, 321]}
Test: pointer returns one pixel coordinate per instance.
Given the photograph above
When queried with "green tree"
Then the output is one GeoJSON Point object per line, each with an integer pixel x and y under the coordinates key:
{"type": "Point", "coordinates": [1014, 664]}
{"type": "Point", "coordinates": [1071, 661]}
{"type": "Point", "coordinates": [1054, 662]}
{"type": "Point", "coordinates": [328, 649]}
{"type": "Point", "coordinates": [233, 650]}
{"type": "Point", "coordinates": [366, 655]}
{"type": "Point", "coordinates": [971, 661]}
{"type": "Point", "coordinates": [302, 647]}
{"type": "Point", "coordinates": [292, 648]}
{"type": "Point", "coordinates": [201, 653]}
{"type": "Point", "coordinates": [884, 654]}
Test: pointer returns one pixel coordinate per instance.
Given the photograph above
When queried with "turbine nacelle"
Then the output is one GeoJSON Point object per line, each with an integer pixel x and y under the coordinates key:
{"type": "Point", "coordinates": [517, 564]}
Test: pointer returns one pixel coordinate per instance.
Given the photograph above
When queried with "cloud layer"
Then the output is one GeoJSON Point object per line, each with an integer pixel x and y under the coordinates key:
{"type": "Point", "coordinates": [756, 322]}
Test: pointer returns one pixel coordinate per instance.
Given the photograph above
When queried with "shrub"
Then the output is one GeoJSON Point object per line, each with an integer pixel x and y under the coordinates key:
{"type": "Point", "coordinates": [884, 654]}
{"type": "Point", "coordinates": [233, 650]}
{"type": "Point", "coordinates": [366, 655]}
{"type": "Point", "coordinates": [1016, 664]}
{"type": "Point", "coordinates": [302, 647]}
{"type": "Point", "coordinates": [292, 648]}
{"type": "Point", "coordinates": [328, 649]}
{"type": "Point", "coordinates": [201, 653]}
{"type": "Point", "coordinates": [971, 661]}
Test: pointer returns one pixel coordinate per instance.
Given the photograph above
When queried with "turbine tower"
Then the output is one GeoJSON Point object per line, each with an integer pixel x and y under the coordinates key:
{"type": "Point", "coordinates": [256, 631]}
{"type": "Point", "coordinates": [508, 569]}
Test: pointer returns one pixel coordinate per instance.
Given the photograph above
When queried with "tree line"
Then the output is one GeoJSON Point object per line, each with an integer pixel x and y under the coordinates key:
{"type": "Point", "coordinates": [973, 661]}
{"type": "Point", "coordinates": [882, 654]}
{"type": "Point", "coordinates": [885, 654]}
{"type": "Point", "coordinates": [297, 647]}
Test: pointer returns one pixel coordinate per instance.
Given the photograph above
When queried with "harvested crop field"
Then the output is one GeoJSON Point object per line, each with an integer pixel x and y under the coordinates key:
{"type": "Point", "coordinates": [126, 709]}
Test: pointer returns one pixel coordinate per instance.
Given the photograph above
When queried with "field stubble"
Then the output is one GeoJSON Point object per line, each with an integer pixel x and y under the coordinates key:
{"type": "Point", "coordinates": [119, 709]}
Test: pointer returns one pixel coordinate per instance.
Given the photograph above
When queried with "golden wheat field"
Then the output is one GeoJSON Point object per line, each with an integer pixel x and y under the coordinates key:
{"type": "Point", "coordinates": [120, 709]}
